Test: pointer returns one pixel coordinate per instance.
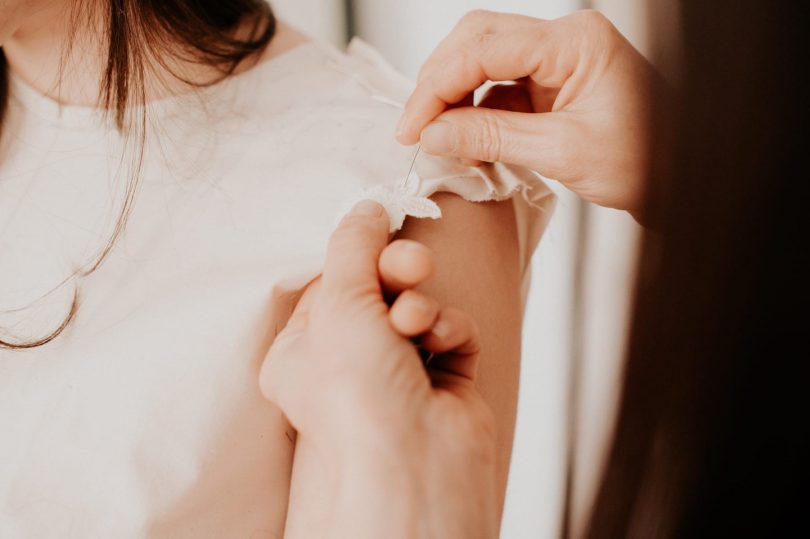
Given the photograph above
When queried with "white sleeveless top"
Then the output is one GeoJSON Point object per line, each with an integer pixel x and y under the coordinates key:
{"type": "Point", "coordinates": [144, 417]}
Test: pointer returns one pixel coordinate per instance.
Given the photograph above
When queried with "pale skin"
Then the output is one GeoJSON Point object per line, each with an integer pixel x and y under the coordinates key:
{"type": "Point", "coordinates": [582, 97]}
{"type": "Point", "coordinates": [580, 84]}
{"type": "Point", "coordinates": [34, 37]}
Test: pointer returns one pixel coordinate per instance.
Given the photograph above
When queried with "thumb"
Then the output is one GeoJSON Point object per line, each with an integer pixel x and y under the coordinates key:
{"type": "Point", "coordinates": [540, 141]}
{"type": "Point", "coordinates": [354, 250]}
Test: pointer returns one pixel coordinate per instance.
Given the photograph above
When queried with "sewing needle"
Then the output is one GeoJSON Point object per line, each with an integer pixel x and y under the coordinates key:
{"type": "Point", "coordinates": [410, 170]}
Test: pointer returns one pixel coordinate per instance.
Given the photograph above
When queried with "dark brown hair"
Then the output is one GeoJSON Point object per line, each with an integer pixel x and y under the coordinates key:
{"type": "Point", "coordinates": [709, 437]}
{"type": "Point", "coordinates": [143, 38]}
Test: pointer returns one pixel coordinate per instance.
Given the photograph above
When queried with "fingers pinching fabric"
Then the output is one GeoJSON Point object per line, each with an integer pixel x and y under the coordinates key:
{"type": "Point", "coordinates": [425, 175]}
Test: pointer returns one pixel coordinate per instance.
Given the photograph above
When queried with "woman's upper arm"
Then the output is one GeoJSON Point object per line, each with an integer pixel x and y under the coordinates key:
{"type": "Point", "coordinates": [479, 270]}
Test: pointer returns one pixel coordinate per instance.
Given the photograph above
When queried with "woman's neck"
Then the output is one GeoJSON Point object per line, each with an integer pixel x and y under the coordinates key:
{"type": "Point", "coordinates": [40, 52]}
{"type": "Point", "coordinates": [66, 64]}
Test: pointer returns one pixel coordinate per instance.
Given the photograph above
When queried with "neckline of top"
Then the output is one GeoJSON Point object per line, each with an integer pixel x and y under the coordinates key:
{"type": "Point", "coordinates": [47, 108]}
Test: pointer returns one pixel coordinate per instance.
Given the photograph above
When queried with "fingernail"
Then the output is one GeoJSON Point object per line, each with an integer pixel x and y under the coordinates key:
{"type": "Point", "coordinates": [442, 329]}
{"type": "Point", "coordinates": [439, 138]}
{"type": "Point", "coordinates": [367, 207]}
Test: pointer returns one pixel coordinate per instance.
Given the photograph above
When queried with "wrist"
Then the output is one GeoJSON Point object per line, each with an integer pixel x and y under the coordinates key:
{"type": "Point", "coordinates": [426, 486]}
{"type": "Point", "coordinates": [378, 494]}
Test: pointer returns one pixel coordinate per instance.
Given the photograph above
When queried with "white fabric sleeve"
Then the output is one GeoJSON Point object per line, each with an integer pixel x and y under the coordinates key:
{"type": "Point", "coordinates": [533, 200]}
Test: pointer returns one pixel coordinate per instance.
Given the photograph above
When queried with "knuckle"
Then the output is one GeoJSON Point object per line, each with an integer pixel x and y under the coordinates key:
{"type": "Point", "coordinates": [592, 19]}
{"type": "Point", "coordinates": [481, 40]}
{"type": "Point", "coordinates": [489, 138]}
{"type": "Point", "coordinates": [594, 26]}
{"type": "Point", "coordinates": [475, 17]}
